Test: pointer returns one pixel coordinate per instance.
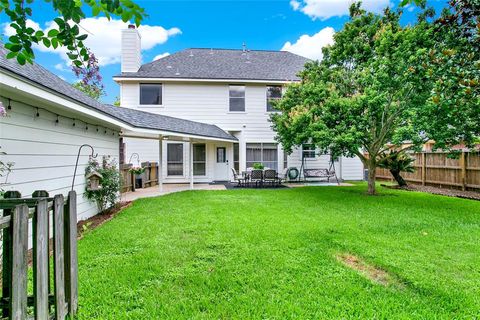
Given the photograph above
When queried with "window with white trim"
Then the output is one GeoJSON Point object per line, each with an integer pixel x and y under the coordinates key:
{"type": "Point", "coordinates": [308, 150]}
{"type": "Point", "coordinates": [264, 153]}
{"type": "Point", "coordinates": [274, 93]}
{"type": "Point", "coordinates": [237, 98]}
{"type": "Point", "coordinates": [175, 159]}
{"type": "Point", "coordinates": [199, 159]}
{"type": "Point", "coordinates": [150, 94]}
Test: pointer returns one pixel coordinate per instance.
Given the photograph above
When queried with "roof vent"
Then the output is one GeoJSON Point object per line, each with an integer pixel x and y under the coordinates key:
{"type": "Point", "coordinates": [169, 67]}
{"type": "Point", "coordinates": [211, 50]}
{"type": "Point", "coordinates": [177, 73]}
{"type": "Point", "coordinates": [191, 53]}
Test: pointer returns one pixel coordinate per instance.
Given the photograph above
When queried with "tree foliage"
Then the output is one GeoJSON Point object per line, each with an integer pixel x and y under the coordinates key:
{"type": "Point", "coordinates": [454, 70]}
{"type": "Point", "coordinates": [67, 31]}
{"type": "Point", "coordinates": [368, 90]}
{"type": "Point", "coordinates": [91, 79]}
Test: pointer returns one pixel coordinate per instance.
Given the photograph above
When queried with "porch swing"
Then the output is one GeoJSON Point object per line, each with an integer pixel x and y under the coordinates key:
{"type": "Point", "coordinates": [318, 173]}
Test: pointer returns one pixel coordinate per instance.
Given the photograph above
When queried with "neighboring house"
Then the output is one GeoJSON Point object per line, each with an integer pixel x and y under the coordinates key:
{"type": "Point", "coordinates": [48, 120]}
{"type": "Point", "coordinates": [227, 88]}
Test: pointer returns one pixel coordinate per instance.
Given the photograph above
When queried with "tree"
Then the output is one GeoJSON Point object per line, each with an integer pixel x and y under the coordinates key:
{"type": "Point", "coordinates": [397, 161]}
{"type": "Point", "coordinates": [91, 79]}
{"type": "Point", "coordinates": [67, 32]}
{"type": "Point", "coordinates": [454, 70]}
{"type": "Point", "coordinates": [368, 90]}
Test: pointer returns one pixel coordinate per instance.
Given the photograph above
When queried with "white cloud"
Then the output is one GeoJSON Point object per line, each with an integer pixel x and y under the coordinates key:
{"type": "Point", "coordinates": [324, 9]}
{"type": "Point", "coordinates": [61, 67]}
{"type": "Point", "coordinates": [295, 4]}
{"type": "Point", "coordinates": [104, 37]}
{"type": "Point", "coordinates": [160, 56]}
{"type": "Point", "coordinates": [311, 46]}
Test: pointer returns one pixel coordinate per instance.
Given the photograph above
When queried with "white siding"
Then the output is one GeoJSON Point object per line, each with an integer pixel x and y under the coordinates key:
{"type": "Point", "coordinates": [131, 50]}
{"type": "Point", "coordinates": [44, 153]}
{"type": "Point", "coordinates": [209, 103]}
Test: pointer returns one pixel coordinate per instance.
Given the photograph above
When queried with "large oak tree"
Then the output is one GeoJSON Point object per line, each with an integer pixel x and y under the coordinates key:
{"type": "Point", "coordinates": [370, 89]}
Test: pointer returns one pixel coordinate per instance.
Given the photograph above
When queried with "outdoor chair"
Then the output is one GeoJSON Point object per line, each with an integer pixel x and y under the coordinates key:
{"type": "Point", "coordinates": [282, 177]}
{"type": "Point", "coordinates": [256, 177]}
{"type": "Point", "coordinates": [239, 179]}
{"type": "Point", "coordinates": [270, 176]}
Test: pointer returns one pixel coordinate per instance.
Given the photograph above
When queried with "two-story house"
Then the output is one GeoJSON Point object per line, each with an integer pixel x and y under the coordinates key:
{"type": "Point", "coordinates": [231, 89]}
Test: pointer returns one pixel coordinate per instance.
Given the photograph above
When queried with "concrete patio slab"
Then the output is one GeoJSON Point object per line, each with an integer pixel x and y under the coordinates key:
{"type": "Point", "coordinates": [167, 189]}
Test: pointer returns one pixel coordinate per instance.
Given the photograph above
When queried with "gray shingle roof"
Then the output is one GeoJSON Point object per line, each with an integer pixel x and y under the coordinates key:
{"type": "Point", "coordinates": [224, 64]}
{"type": "Point", "coordinates": [136, 118]}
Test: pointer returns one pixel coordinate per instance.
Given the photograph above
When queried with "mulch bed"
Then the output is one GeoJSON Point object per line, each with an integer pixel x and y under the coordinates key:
{"type": "Point", "coordinates": [101, 218]}
{"type": "Point", "coordinates": [472, 195]}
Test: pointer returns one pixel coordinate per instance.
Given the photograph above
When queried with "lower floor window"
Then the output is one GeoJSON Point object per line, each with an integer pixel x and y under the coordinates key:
{"type": "Point", "coordinates": [199, 160]}
{"type": "Point", "coordinates": [236, 157]}
{"type": "Point", "coordinates": [175, 159]}
{"type": "Point", "coordinates": [264, 153]}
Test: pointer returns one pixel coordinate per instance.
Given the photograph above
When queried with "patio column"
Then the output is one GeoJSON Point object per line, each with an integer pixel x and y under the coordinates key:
{"type": "Point", "coordinates": [191, 164]}
{"type": "Point", "coordinates": [160, 164]}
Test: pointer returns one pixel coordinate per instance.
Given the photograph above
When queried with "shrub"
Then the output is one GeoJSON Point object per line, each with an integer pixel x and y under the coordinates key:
{"type": "Point", "coordinates": [397, 161]}
{"type": "Point", "coordinates": [107, 196]}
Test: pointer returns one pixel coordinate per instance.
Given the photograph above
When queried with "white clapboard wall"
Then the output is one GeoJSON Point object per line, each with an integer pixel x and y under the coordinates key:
{"type": "Point", "coordinates": [44, 152]}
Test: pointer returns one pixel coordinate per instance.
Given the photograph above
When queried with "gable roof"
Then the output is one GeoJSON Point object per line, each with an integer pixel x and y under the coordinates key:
{"type": "Point", "coordinates": [224, 64]}
{"type": "Point", "coordinates": [134, 118]}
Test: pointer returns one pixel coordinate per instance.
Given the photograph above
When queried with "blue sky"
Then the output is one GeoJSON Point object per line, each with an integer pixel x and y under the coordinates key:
{"type": "Point", "coordinates": [300, 26]}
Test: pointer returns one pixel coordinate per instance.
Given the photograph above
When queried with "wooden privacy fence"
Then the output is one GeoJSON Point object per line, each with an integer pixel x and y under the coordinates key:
{"type": "Point", "coordinates": [437, 169]}
{"type": "Point", "coordinates": [63, 296]}
{"type": "Point", "coordinates": [149, 177]}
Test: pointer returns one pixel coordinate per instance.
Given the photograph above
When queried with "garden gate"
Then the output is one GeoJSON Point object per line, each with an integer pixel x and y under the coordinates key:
{"type": "Point", "coordinates": [58, 301]}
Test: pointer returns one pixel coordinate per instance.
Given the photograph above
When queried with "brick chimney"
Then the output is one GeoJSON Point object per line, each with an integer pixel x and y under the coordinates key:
{"type": "Point", "coordinates": [131, 49]}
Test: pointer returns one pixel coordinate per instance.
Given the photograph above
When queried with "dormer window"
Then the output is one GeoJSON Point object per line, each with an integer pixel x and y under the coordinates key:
{"type": "Point", "coordinates": [273, 93]}
{"type": "Point", "coordinates": [237, 98]}
{"type": "Point", "coordinates": [150, 94]}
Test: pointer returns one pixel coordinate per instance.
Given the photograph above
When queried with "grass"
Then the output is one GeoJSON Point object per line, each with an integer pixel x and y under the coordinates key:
{"type": "Point", "coordinates": [274, 254]}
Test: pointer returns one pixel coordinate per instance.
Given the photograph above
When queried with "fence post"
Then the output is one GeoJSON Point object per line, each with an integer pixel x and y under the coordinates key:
{"type": "Point", "coordinates": [40, 259]}
{"type": "Point", "coordinates": [7, 254]}
{"type": "Point", "coordinates": [463, 166]}
{"type": "Point", "coordinates": [19, 274]}
{"type": "Point", "coordinates": [58, 257]}
{"type": "Point", "coordinates": [424, 168]}
{"type": "Point", "coordinates": [71, 259]}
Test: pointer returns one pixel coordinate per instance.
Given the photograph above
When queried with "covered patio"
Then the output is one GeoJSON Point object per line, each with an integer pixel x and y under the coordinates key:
{"type": "Point", "coordinates": [199, 146]}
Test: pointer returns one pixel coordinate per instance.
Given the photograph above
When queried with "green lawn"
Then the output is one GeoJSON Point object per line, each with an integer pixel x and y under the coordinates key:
{"type": "Point", "coordinates": [271, 254]}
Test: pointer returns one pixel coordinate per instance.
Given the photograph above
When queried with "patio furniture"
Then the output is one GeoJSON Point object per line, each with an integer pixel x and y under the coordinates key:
{"type": "Point", "coordinates": [242, 180]}
{"type": "Point", "coordinates": [318, 173]}
{"type": "Point", "coordinates": [256, 176]}
{"type": "Point", "coordinates": [271, 176]}
{"type": "Point", "coordinates": [283, 177]}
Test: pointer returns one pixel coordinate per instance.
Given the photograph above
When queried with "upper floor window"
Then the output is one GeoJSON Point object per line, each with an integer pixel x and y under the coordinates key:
{"type": "Point", "coordinates": [308, 150]}
{"type": "Point", "coordinates": [273, 93]}
{"type": "Point", "coordinates": [237, 97]}
{"type": "Point", "coordinates": [151, 93]}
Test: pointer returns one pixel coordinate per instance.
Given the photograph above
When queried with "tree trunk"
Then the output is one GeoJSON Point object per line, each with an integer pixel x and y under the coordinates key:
{"type": "Point", "coordinates": [396, 174]}
{"type": "Point", "coordinates": [372, 173]}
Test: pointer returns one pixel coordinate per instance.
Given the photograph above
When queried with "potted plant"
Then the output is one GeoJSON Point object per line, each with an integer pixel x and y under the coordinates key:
{"type": "Point", "coordinates": [137, 172]}
{"type": "Point", "coordinates": [258, 166]}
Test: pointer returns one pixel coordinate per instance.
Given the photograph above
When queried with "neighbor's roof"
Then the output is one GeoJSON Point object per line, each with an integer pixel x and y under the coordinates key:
{"type": "Point", "coordinates": [224, 64]}
{"type": "Point", "coordinates": [135, 118]}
